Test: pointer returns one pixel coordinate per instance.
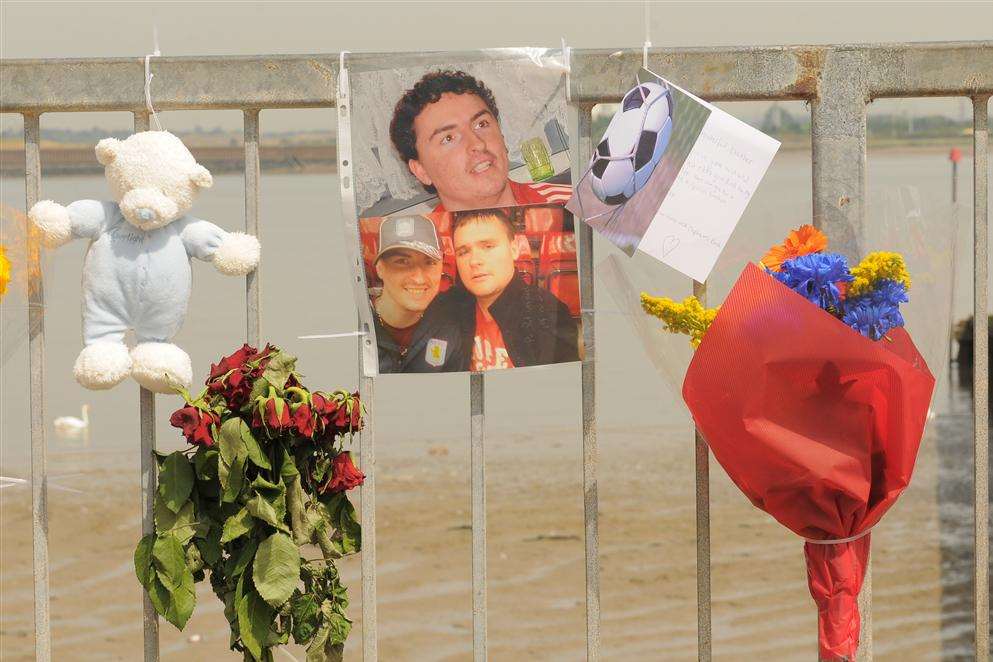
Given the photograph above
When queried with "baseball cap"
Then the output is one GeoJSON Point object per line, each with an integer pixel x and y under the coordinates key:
{"type": "Point", "coordinates": [414, 232]}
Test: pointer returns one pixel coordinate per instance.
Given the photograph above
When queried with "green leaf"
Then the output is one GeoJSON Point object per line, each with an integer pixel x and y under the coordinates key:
{"type": "Point", "coordinates": [210, 547]}
{"type": "Point", "coordinates": [170, 561]}
{"type": "Point", "coordinates": [265, 511]}
{"type": "Point", "coordinates": [232, 479]}
{"type": "Point", "coordinates": [245, 557]}
{"type": "Point", "coordinates": [143, 560]}
{"type": "Point", "coordinates": [252, 448]}
{"type": "Point", "coordinates": [306, 612]}
{"type": "Point", "coordinates": [254, 622]}
{"type": "Point", "coordinates": [205, 463]}
{"type": "Point", "coordinates": [341, 513]}
{"type": "Point", "coordinates": [237, 526]}
{"type": "Point", "coordinates": [176, 606]}
{"type": "Point", "coordinates": [276, 570]}
{"type": "Point", "coordinates": [194, 560]}
{"type": "Point", "coordinates": [315, 652]}
{"type": "Point", "coordinates": [259, 390]}
{"type": "Point", "coordinates": [231, 445]}
{"type": "Point", "coordinates": [288, 466]}
{"type": "Point", "coordinates": [339, 628]}
{"type": "Point", "coordinates": [160, 597]}
{"type": "Point", "coordinates": [175, 481]}
{"type": "Point", "coordinates": [179, 524]}
{"type": "Point", "coordinates": [278, 370]}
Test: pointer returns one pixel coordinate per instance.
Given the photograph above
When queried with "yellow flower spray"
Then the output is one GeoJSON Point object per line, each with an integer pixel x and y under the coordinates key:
{"type": "Point", "coordinates": [689, 317]}
{"type": "Point", "coordinates": [875, 267]}
{"type": "Point", "coordinates": [4, 270]}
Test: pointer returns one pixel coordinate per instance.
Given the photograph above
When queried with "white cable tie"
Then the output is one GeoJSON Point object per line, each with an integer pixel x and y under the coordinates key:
{"type": "Point", "coordinates": [320, 336]}
{"type": "Point", "coordinates": [148, 78]}
{"type": "Point", "coordinates": [566, 56]}
{"type": "Point", "coordinates": [648, 34]}
{"type": "Point", "coordinates": [838, 541]}
{"type": "Point", "coordinates": [342, 75]}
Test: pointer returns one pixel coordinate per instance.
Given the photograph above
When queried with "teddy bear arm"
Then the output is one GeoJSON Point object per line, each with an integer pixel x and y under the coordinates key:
{"type": "Point", "coordinates": [88, 217]}
{"type": "Point", "coordinates": [201, 238]}
{"type": "Point", "coordinates": [58, 225]}
{"type": "Point", "coordinates": [233, 253]}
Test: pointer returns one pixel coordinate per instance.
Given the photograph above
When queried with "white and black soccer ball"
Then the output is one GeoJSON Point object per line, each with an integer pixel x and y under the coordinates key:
{"type": "Point", "coordinates": [633, 144]}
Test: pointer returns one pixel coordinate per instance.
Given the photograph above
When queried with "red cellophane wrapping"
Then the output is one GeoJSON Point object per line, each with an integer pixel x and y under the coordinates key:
{"type": "Point", "coordinates": [818, 425]}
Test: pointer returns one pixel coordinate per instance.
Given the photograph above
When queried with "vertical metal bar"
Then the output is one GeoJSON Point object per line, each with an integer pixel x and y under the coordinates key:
{"type": "Point", "coordinates": [581, 126]}
{"type": "Point", "coordinates": [368, 369]}
{"type": "Point", "coordinates": [148, 479]}
{"type": "Point", "coordinates": [478, 488]}
{"type": "Point", "coordinates": [980, 374]}
{"type": "Point", "coordinates": [703, 601]}
{"type": "Point", "coordinates": [838, 139]}
{"type": "Point", "coordinates": [367, 460]}
{"type": "Point", "coordinates": [36, 353]}
{"type": "Point", "coordinates": [146, 408]}
{"type": "Point", "coordinates": [838, 142]}
{"type": "Point", "coordinates": [252, 177]}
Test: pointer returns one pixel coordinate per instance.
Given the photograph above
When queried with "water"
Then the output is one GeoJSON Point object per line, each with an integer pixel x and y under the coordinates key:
{"type": "Point", "coordinates": [306, 289]}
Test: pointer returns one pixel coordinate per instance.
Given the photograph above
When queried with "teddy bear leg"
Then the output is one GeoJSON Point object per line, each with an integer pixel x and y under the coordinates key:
{"type": "Point", "coordinates": [102, 364]}
{"type": "Point", "coordinates": [161, 367]}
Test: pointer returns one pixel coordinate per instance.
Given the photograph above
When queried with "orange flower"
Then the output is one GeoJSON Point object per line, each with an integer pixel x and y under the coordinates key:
{"type": "Point", "coordinates": [802, 241]}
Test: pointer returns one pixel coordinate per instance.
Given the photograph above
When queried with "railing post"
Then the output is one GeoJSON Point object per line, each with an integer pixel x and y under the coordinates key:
{"type": "Point", "coordinates": [148, 479]}
{"type": "Point", "coordinates": [36, 352]}
{"type": "Point", "coordinates": [980, 374]}
{"type": "Point", "coordinates": [368, 368]}
{"type": "Point", "coordinates": [253, 281]}
{"type": "Point", "coordinates": [838, 141]}
{"type": "Point", "coordinates": [581, 126]}
{"type": "Point", "coordinates": [703, 600]}
{"type": "Point", "coordinates": [478, 488]}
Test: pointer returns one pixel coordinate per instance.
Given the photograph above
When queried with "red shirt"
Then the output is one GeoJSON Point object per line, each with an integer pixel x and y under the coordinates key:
{"type": "Point", "coordinates": [489, 352]}
{"type": "Point", "coordinates": [530, 193]}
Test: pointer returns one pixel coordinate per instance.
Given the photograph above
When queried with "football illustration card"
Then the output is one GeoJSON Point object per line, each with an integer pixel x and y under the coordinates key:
{"type": "Point", "coordinates": [671, 176]}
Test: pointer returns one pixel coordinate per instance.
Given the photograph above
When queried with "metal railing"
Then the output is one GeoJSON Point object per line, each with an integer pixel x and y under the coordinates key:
{"type": "Point", "coordinates": [838, 81]}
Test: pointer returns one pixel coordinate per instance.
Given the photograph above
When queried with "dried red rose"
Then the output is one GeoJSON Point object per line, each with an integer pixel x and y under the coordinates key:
{"type": "Point", "coordinates": [232, 362]}
{"type": "Point", "coordinates": [344, 475]}
{"type": "Point", "coordinates": [303, 420]}
{"type": "Point", "coordinates": [195, 424]}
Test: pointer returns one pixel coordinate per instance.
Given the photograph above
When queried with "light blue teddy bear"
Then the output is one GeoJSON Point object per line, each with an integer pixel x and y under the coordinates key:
{"type": "Point", "coordinates": [136, 274]}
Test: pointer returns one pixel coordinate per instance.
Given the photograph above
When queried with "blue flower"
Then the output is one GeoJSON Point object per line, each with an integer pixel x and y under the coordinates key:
{"type": "Point", "coordinates": [874, 313]}
{"type": "Point", "coordinates": [887, 292]}
{"type": "Point", "coordinates": [815, 277]}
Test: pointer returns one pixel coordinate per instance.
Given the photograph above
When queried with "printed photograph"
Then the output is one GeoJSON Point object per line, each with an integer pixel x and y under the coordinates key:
{"type": "Point", "coordinates": [637, 160]}
{"type": "Point", "coordinates": [462, 174]}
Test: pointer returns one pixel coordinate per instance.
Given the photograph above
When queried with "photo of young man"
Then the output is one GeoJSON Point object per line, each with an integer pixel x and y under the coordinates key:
{"type": "Point", "coordinates": [506, 291]}
{"type": "Point", "coordinates": [446, 128]}
{"type": "Point", "coordinates": [414, 332]}
{"type": "Point", "coordinates": [507, 322]}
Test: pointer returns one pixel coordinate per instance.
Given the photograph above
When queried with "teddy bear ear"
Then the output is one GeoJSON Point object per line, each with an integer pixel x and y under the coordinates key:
{"type": "Point", "coordinates": [201, 177]}
{"type": "Point", "coordinates": [107, 150]}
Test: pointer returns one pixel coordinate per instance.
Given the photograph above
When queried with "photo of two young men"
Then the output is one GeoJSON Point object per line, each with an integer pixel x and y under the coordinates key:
{"type": "Point", "coordinates": [477, 269]}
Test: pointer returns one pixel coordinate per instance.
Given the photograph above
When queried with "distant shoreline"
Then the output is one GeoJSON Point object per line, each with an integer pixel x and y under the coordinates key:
{"type": "Point", "coordinates": [73, 160]}
{"type": "Point", "coordinates": [79, 159]}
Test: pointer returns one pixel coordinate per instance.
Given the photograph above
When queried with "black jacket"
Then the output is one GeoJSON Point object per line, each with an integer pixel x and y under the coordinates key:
{"type": "Point", "coordinates": [536, 327]}
{"type": "Point", "coordinates": [437, 344]}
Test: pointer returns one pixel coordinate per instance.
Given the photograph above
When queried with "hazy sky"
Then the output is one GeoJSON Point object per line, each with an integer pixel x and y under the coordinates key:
{"type": "Point", "coordinates": [39, 29]}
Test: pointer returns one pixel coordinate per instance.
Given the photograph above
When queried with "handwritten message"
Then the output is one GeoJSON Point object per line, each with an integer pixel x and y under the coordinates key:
{"type": "Point", "coordinates": [709, 193]}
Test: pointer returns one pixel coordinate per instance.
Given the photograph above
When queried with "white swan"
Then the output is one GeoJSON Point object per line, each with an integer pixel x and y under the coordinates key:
{"type": "Point", "coordinates": [70, 427]}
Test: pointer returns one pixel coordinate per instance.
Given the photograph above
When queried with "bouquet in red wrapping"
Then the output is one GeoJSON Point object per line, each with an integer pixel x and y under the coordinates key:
{"type": "Point", "coordinates": [813, 398]}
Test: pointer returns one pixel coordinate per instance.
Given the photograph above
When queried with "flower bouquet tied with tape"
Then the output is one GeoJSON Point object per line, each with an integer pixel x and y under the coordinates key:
{"type": "Point", "coordinates": [265, 476]}
{"type": "Point", "coordinates": [812, 396]}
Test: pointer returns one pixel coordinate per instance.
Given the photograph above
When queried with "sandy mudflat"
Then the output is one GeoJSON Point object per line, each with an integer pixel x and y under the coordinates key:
{"type": "Point", "coordinates": [536, 563]}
